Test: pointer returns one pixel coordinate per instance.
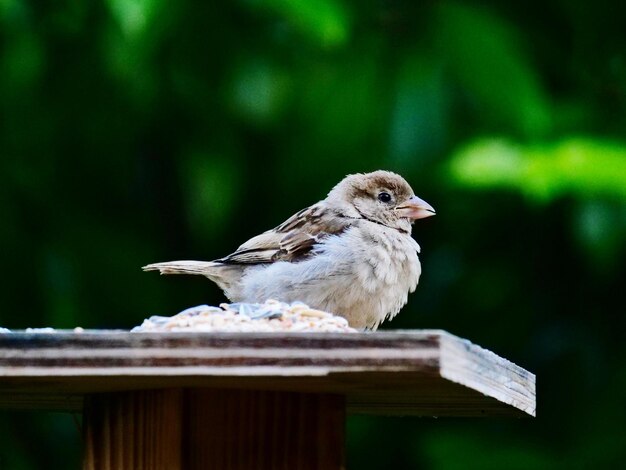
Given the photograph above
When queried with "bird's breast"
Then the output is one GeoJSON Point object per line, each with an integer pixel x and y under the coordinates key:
{"type": "Point", "coordinates": [382, 268]}
{"type": "Point", "coordinates": [364, 274]}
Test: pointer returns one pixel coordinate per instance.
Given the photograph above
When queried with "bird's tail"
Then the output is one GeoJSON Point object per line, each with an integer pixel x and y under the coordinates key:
{"type": "Point", "coordinates": [202, 268]}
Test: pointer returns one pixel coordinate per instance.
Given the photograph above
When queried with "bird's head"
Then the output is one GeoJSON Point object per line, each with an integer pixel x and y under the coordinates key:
{"type": "Point", "coordinates": [382, 197]}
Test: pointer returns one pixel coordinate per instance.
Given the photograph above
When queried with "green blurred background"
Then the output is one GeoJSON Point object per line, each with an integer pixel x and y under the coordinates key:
{"type": "Point", "coordinates": [136, 131]}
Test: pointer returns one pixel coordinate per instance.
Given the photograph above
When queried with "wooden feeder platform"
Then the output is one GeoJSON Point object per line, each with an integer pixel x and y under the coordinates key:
{"type": "Point", "coordinates": [248, 400]}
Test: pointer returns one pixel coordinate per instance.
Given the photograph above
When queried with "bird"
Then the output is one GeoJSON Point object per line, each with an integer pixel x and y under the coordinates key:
{"type": "Point", "coordinates": [351, 254]}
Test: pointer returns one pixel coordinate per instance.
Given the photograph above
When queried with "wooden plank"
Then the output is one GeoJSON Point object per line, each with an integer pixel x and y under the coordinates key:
{"type": "Point", "coordinates": [133, 430]}
{"type": "Point", "coordinates": [424, 373]}
{"type": "Point", "coordinates": [174, 429]}
{"type": "Point", "coordinates": [251, 429]}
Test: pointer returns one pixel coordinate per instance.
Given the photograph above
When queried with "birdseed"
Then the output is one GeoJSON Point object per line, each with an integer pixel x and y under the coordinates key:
{"type": "Point", "coordinates": [269, 316]}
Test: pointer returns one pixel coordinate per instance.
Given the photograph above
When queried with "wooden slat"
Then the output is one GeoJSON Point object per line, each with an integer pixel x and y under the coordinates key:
{"type": "Point", "coordinates": [426, 372]}
{"type": "Point", "coordinates": [134, 430]}
{"type": "Point", "coordinates": [250, 429]}
{"type": "Point", "coordinates": [176, 429]}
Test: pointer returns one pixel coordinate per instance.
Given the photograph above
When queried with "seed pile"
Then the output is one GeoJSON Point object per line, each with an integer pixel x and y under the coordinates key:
{"type": "Point", "coordinates": [46, 329]}
{"type": "Point", "coordinates": [271, 315]}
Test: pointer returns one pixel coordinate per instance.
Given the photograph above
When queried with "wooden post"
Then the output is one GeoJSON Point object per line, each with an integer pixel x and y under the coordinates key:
{"type": "Point", "coordinates": [133, 430]}
{"type": "Point", "coordinates": [213, 429]}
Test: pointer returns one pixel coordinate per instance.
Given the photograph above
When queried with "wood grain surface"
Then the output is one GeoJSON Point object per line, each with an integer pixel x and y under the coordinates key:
{"type": "Point", "coordinates": [423, 372]}
{"type": "Point", "coordinates": [210, 429]}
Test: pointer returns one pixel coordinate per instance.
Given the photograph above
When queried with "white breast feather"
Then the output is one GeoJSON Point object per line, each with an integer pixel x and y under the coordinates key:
{"type": "Point", "coordinates": [345, 276]}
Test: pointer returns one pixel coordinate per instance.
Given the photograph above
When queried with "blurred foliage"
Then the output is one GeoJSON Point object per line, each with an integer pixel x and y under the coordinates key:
{"type": "Point", "coordinates": [136, 131]}
{"type": "Point", "coordinates": [582, 168]}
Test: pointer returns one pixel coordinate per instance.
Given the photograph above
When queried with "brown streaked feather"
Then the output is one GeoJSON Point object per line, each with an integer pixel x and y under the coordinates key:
{"type": "Point", "coordinates": [293, 240]}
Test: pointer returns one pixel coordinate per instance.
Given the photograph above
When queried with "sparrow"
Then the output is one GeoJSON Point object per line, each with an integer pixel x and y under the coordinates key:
{"type": "Point", "coordinates": [351, 254]}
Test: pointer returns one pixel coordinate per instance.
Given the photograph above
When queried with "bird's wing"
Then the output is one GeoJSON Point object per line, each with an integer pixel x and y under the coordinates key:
{"type": "Point", "coordinates": [293, 240]}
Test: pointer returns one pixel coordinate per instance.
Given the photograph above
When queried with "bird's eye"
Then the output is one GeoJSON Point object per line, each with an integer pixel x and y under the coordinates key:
{"type": "Point", "coordinates": [384, 197]}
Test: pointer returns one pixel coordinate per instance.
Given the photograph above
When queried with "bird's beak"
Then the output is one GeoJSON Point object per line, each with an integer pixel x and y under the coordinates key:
{"type": "Point", "coordinates": [415, 208]}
